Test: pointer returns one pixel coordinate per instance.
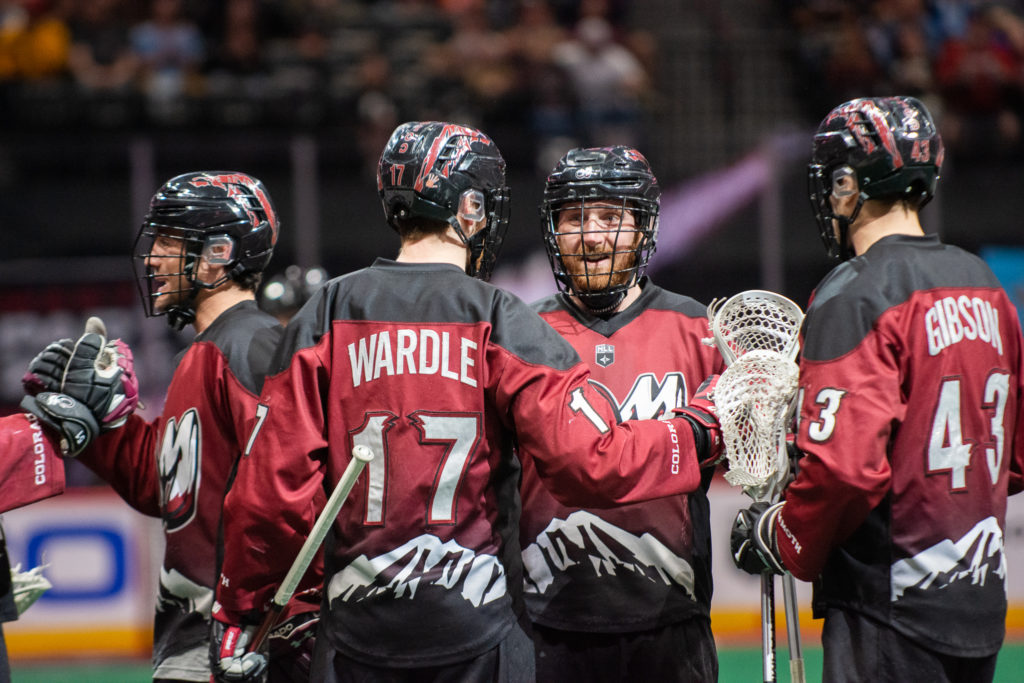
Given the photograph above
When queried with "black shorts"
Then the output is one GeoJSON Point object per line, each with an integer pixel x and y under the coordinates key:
{"type": "Point", "coordinates": [511, 661]}
{"type": "Point", "coordinates": [684, 651]}
{"type": "Point", "coordinates": [858, 648]}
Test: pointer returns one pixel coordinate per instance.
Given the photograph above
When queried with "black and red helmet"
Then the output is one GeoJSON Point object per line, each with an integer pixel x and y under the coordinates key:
{"type": "Point", "coordinates": [620, 175]}
{"type": "Point", "coordinates": [226, 213]}
{"type": "Point", "coordinates": [430, 169]}
{"type": "Point", "coordinates": [890, 144]}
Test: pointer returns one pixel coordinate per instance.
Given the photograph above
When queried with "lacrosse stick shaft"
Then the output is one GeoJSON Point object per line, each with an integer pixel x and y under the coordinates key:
{"type": "Point", "coordinates": [796, 655]}
{"type": "Point", "coordinates": [361, 455]}
{"type": "Point", "coordinates": [768, 626]}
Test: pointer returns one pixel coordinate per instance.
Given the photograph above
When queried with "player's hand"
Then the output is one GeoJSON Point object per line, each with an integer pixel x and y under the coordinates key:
{"type": "Point", "coordinates": [700, 413]}
{"type": "Point", "coordinates": [229, 660]}
{"type": "Point", "coordinates": [753, 539]}
{"type": "Point", "coordinates": [70, 420]}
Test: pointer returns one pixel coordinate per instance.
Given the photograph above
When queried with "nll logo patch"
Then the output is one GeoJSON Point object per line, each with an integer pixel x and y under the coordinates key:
{"type": "Point", "coordinates": [604, 354]}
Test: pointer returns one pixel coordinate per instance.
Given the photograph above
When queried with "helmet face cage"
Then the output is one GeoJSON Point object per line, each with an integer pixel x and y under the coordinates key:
{"type": "Point", "coordinates": [224, 218]}
{"type": "Point", "coordinates": [893, 149]}
{"type": "Point", "coordinates": [430, 169]}
{"type": "Point", "coordinates": [619, 180]}
{"type": "Point", "coordinates": [485, 244]}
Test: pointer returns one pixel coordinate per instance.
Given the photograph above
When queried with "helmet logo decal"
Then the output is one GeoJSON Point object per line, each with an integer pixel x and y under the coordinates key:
{"type": "Point", "coordinates": [233, 184]}
{"type": "Point", "coordinates": [869, 110]}
{"type": "Point", "coordinates": [464, 137]}
{"type": "Point", "coordinates": [587, 172]}
{"type": "Point", "coordinates": [633, 155]}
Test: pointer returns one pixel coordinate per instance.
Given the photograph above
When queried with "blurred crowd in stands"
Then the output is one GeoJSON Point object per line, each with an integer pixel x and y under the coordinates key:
{"type": "Point", "coordinates": [561, 71]}
{"type": "Point", "coordinates": [963, 58]}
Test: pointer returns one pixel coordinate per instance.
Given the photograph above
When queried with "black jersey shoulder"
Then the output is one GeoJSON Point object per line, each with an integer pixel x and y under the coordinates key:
{"type": "Point", "coordinates": [651, 298]}
{"type": "Point", "coordinates": [247, 337]}
{"type": "Point", "coordinates": [849, 301]}
{"type": "Point", "coordinates": [419, 293]}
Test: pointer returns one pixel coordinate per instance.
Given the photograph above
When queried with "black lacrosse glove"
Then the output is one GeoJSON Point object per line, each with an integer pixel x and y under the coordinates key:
{"type": "Point", "coordinates": [46, 371]}
{"type": "Point", "coordinates": [101, 374]}
{"type": "Point", "coordinates": [753, 539]}
{"type": "Point", "coordinates": [230, 661]}
{"type": "Point", "coordinates": [94, 371]}
{"type": "Point", "coordinates": [707, 433]}
{"type": "Point", "coordinates": [71, 421]}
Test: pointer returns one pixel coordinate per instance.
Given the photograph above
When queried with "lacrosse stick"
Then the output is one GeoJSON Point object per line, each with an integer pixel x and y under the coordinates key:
{"type": "Point", "coordinates": [754, 425]}
{"type": "Point", "coordinates": [360, 456]}
{"type": "Point", "coordinates": [755, 320]}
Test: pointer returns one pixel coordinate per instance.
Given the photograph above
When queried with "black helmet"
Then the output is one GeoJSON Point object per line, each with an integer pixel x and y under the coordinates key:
{"type": "Point", "coordinates": [890, 144]}
{"type": "Point", "coordinates": [431, 168]}
{"type": "Point", "coordinates": [617, 175]}
{"type": "Point", "coordinates": [224, 216]}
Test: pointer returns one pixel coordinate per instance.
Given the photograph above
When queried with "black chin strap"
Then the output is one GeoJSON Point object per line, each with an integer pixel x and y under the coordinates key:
{"type": "Point", "coordinates": [602, 302]}
{"type": "Point", "coordinates": [180, 315]}
{"type": "Point", "coordinates": [845, 249]}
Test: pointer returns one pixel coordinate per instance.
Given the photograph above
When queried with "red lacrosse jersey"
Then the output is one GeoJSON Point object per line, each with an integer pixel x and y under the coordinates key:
{"type": "Point", "coordinates": [440, 375]}
{"type": "Point", "coordinates": [910, 422]}
{"type": "Point", "coordinates": [31, 468]}
{"type": "Point", "coordinates": [178, 468]}
{"type": "Point", "coordinates": [637, 566]}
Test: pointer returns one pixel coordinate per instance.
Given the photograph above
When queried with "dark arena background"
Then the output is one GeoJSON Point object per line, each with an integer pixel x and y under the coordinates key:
{"type": "Point", "coordinates": [721, 95]}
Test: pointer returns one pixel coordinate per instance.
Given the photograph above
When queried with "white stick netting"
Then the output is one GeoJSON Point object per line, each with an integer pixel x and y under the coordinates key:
{"type": "Point", "coordinates": [755, 320]}
{"type": "Point", "coordinates": [754, 399]}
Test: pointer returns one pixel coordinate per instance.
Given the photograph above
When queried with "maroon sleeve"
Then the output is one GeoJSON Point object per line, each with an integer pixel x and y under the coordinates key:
{"type": "Point", "coordinates": [30, 467]}
{"type": "Point", "coordinates": [126, 459]}
{"type": "Point", "coordinates": [271, 506]}
{"type": "Point", "coordinates": [584, 457]}
{"type": "Point", "coordinates": [845, 424]}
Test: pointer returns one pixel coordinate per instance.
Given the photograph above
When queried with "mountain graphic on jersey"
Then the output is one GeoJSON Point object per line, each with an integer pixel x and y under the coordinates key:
{"type": "Point", "coordinates": [425, 563]}
{"type": "Point", "coordinates": [973, 557]}
{"type": "Point", "coordinates": [585, 540]}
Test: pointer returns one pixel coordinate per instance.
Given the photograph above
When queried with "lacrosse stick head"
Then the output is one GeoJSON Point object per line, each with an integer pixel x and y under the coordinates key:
{"type": "Point", "coordinates": [755, 320]}
{"type": "Point", "coordinates": [754, 399]}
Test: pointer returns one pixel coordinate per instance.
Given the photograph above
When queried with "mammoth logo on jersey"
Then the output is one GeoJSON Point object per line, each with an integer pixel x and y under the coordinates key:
{"type": "Point", "coordinates": [239, 186]}
{"type": "Point", "coordinates": [179, 463]}
{"type": "Point", "coordinates": [648, 399]}
{"type": "Point", "coordinates": [854, 114]}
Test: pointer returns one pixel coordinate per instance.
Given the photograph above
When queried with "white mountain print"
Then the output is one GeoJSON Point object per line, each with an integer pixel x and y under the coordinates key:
{"type": "Point", "coordinates": [972, 557]}
{"type": "Point", "coordinates": [581, 538]}
{"type": "Point", "coordinates": [422, 562]}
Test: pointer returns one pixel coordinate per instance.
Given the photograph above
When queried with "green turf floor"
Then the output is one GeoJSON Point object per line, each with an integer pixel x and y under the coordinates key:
{"type": "Point", "coordinates": [736, 666]}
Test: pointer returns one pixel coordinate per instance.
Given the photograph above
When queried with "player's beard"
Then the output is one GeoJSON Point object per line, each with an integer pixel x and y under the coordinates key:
{"type": "Point", "coordinates": [169, 290]}
{"type": "Point", "coordinates": [598, 276]}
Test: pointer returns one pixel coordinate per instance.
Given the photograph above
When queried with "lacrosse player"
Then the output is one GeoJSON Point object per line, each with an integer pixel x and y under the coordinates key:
{"type": "Point", "coordinates": [910, 420]}
{"type": "Point", "coordinates": [440, 375]}
{"type": "Point", "coordinates": [621, 593]}
{"type": "Point", "coordinates": [199, 256]}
